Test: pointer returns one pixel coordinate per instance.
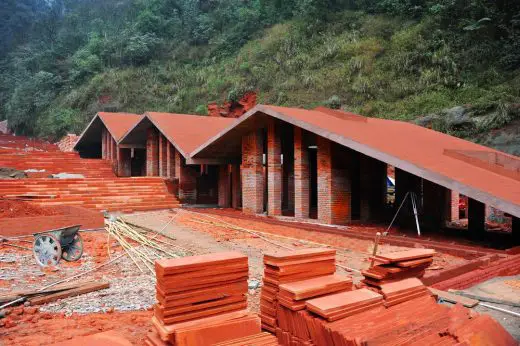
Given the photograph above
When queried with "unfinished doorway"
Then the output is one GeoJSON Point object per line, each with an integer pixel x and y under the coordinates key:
{"type": "Point", "coordinates": [207, 185]}
{"type": "Point", "coordinates": [313, 181]}
{"type": "Point", "coordinates": [138, 162]}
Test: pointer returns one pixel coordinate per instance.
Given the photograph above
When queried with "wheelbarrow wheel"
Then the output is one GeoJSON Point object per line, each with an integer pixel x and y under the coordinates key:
{"type": "Point", "coordinates": [47, 250]}
{"type": "Point", "coordinates": [73, 251]}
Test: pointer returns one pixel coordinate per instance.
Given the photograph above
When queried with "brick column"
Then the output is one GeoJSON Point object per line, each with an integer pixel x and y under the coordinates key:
{"type": "Point", "coordinates": [170, 160]}
{"type": "Point", "coordinates": [103, 143]}
{"type": "Point", "coordinates": [113, 154]}
{"type": "Point", "coordinates": [178, 164]}
{"type": "Point", "coordinates": [476, 217]}
{"type": "Point", "coordinates": [453, 205]}
{"type": "Point", "coordinates": [223, 186]}
{"type": "Point", "coordinates": [301, 176]}
{"type": "Point", "coordinates": [274, 169]}
{"type": "Point", "coordinates": [373, 175]}
{"type": "Point", "coordinates": [163, 158]}
{"type": "Point", "coordinates": [252, 173]}
{"type": "Point", "coordinates": [152, 153]}
{"type": "Point", "coordinates": [334, 187]}
{"type": "Point", "coordinates": [236, 197]}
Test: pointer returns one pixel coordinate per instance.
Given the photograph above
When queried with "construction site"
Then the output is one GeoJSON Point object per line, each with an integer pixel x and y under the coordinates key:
{"type": "Point", "coordinates": [263, 225]}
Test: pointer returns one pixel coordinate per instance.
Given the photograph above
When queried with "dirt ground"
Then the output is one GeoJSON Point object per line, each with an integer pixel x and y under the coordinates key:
{"type": "Point", "coordinates": [126, 305]}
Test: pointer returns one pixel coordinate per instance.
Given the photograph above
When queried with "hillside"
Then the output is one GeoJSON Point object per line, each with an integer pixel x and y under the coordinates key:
{"type": "Point", "coordinates": [399, 59]}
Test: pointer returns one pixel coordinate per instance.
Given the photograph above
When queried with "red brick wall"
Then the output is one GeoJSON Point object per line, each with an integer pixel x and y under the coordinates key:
{"type": "Point", "coordinates": [454, 205]}
{"type": "Point", "coordinates": [170, 163]}
{"type": "Point", "coordinates": [252, 175]}
{"type": "Point", "coordinates": [274, 169]}
{"type": "Point", "coordinates": [163, 158]}
{"type": "Point", "coordinates": [334, 187]}
{"type": "Point", "coordinates": [187, 177]}
{"type": "Point", "coordinates": [301, 175]}
{"type": "Point", "coordinates": [152, 153]}
{"type": "Point", "coordinates": [224, 198]}
{"type": "Point", "coordinates": [103, 143]}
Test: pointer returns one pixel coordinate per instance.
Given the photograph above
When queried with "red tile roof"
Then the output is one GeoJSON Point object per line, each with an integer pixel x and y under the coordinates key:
{"type": "Point", "coordinates": [420, 151]}
{"type": "Point", "coordinates": [187, 132]}
{"type": "Point", "coordinates": [118, 124]}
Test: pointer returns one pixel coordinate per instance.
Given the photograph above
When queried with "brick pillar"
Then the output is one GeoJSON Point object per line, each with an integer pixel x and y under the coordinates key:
{"type": "Point", "coordinates": [515, 230]}
{"type": "Point", "coordinates": [274, 169]}
{"type": "Point", "coordinates": [224, 200]}
{"type": "Point", "coordinates": [113, 155]}
{"type": "Point", "coordinates": [373, 175]}
{"type": "Point", "coordinates": [252, 173]}
{"type": "Point", "coordinates": [334, 187]}
{"type": "Point", "coordinates": [103, 143]}
{"type": "Point", "coordinates": [476, 217]}
{"type": "Point", "coordinates": [170, 160]}
{"type": "Point", "coordinates": [124, 157]}
{"type": "Point", "coordinates": [152, 153]}
{"type": "Point", "coordinates": [178, 164]}
{"type": "Point", "coordinates": [453, 206]}
{"type": "Point", "coordinates": [236, 197]}
{"type": "Point", "coordinates": [187, 178]}
{"type": "Point", "coordinates": [301, 176]}
{"type": "Point", "coordinates": [163, 158]}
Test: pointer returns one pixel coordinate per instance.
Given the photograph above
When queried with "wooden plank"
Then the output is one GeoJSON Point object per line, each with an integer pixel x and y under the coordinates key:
{"type": "Point", "coordinates": [89, 287]}
{"type": "Point", "coordinates": [453, 298]}
{"type": "Point", "coordinates": [27, 293]}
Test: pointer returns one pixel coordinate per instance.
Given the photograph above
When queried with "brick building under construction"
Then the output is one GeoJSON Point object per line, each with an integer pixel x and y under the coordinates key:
{"type": "Point", "coordinates": [319, 164]}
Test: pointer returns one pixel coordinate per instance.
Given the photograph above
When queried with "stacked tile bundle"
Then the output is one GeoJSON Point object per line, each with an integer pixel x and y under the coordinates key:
{"type": "Point", "coordinates": [397, 266]}
{"type": "Point", "coordinates": [202, 300]}
{"type": "Point", "coordinates": [260, 339]}
{"type": "Point", "coordinates": [286, 267]}
{"type": "Point", "coordinates": [402, 291]}
{"type": "Point", "coordinates": [293, 295]}
{"type": "Point", "coordinates": [338, 306]}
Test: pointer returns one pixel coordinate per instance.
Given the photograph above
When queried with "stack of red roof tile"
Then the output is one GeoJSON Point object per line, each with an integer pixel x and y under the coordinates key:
{"type": "Point", "coordinates": [286, 267]}
{"type": "Point", "coordinates": [260, 339]}
{"type": "Point", "coordinates": [340, 305]}
{"type": "Point", "coordinates": [293, 295]}
{"type": "Point", "coordinates": [396, 266]}
{"type": "Point", "coordinates": [402, 291]}
{"type": "Point", "coordinates": [201, 300]}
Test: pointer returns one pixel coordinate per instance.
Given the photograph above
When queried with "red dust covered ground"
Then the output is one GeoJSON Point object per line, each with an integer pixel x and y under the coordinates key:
{"type": "Point", "coordinates": [28, 327]}
{"type": "Point", "coordinates": [14, 209]}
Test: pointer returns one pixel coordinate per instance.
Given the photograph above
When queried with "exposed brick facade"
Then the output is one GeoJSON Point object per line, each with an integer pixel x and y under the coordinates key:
{"type": "Point", "coordinates": [224, 197]}
{"type": "Point", "coordinates": [373, 175]}
{"type": "Point", "coordinates": [476, 217]}
{"type": "Point", "coordinates": [454, 197]}
{"type": "Point", "coordinates": [187, 177]}
{"type": "Point", "coordinates": [152, 153]}
{"type": "Point", "coordinates": [170, 164]}
{"type": "Point", "coordinates": [274, 168]}
{"type": "Point", "coordinates": [252, 173]}
{"type": "Point", "coordinates": [301, 175]}
{"type": "Point", "coordinates": [334, 184]}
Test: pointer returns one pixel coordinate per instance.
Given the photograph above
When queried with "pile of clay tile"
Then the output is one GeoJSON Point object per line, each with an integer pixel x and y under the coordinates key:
{"type": "Point", "coordinates": [286, 267]}
{"type": "Point", "coordinates": [260, 339]}
{"type": "Point", "coordinates": [324, 310]}
{"type": "Point", "coordinates": [202, 301]}
{"type": "Point", "coordinates": [396, 266]}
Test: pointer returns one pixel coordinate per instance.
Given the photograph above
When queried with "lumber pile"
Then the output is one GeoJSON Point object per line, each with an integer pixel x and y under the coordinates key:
{"type": "Point", "coordinates": [402, 291]}
{"type": "Point", "coordinates": [289, 266]}
{"type": "Point", "coordinates": [397, 266]}
{"type": "Point", "coordinates": [61, 291]}
{"type": "Point", "coordinates": [201, 300]}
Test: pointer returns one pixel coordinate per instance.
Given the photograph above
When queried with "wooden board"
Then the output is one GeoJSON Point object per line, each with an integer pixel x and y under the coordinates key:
{"type": "Point", "coordinates": [453, 298]}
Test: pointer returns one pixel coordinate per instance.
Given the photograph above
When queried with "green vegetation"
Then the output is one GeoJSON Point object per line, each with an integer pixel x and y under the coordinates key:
{"type": "Point", "coordinates": [396, 59]}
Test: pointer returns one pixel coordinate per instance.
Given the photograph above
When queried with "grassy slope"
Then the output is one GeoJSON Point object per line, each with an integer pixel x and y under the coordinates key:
{"type": "Point", "coordinates": [376, 65]}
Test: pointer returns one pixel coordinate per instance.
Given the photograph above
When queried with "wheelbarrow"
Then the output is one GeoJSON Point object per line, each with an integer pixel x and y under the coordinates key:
{"type": "Point", "coordinates": [51, 246]}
